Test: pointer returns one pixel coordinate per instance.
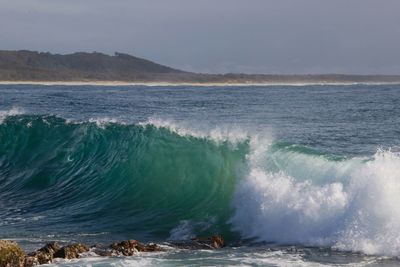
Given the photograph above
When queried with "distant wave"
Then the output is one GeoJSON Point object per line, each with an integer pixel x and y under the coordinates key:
{"type": "Point", "coordinates": [161, 180]}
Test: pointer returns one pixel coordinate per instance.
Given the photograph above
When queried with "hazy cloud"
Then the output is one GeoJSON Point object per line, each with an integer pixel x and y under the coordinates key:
{"type": "Point", "coordinates": [264, 36]}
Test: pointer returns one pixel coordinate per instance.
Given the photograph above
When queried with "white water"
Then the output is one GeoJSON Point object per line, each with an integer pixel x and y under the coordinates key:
{"type": "Point", "coordinates": [11, 112]}
{"type": "Point", "coordinates": [217, 134]}
{"type": "Point", "coordinates": [350, 205]}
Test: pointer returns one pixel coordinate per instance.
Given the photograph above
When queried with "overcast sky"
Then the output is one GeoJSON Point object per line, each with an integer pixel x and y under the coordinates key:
{"type": "Point", "coordinates": [252, 36]}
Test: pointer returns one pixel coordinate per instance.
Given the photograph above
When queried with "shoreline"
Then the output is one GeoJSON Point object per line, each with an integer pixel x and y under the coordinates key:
{"type": "Point", "coordinates": [191, 84]}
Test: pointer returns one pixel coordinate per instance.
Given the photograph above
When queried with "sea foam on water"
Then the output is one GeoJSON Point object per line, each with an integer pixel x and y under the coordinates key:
{"type": "Point", "coordinates": [357, 212]}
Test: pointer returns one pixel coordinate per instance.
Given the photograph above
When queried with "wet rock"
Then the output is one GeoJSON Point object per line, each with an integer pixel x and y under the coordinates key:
{"type": "Point", "coordinates": [130, 247]}
{"type": "Point", "coordinates": [40, 256]}
{"type": "Point", "coordinates": [217, 241]}
{"type": "Point", "coordinates": [149, 248]}
{"type": "Point", "coordinates": [101, 250]}
{"type": "Point", "coordinates": [213, 242]}
{"type": "Point", "coordinates": [11, 255]}
{"type": "Point", "coordinates": [126, 248]}
{"type": "Point", "coordinates": [51, 248]}
{"type": "Point", "coordinates": [71, 251]}
{"type": "Point", "coordinates": [31, 261]}
{"type": "Point", "coordinates": [45, 254]}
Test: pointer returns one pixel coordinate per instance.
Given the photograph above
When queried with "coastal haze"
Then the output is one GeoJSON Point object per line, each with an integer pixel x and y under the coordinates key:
{"type": "Point", "coordinates": [256, 36]}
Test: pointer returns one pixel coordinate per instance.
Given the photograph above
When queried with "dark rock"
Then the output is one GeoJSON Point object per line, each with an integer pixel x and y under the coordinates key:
{"type": "Point", "coordinates": [217, 241]}
{"type": "Point", "coordinates": [149, 248]}
{"type": "Point", "coordinates": [130, 247]}
{"type": "Point", "coordinates": [213, 242]}
{"type": "Point", "coordinates": [51, 247]}
{"type": "Point", "coordinates": [71, 251]}
{"type": "Point", "coordinates": [101, 250]}
{"type": "Point", "coordinates": [41, 257]}
{"type": "Point", "coordinates": [11, 255]}
{"type": "Point", "coordinates": [31, 261]}
{"type": "Point", "coordinates": [45, 254]}
{"type": "Point", "coordinates": [126, 248]}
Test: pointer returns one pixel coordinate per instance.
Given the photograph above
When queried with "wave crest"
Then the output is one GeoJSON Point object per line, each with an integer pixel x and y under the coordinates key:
{"type": "Point", "coordinates": [358, 212]}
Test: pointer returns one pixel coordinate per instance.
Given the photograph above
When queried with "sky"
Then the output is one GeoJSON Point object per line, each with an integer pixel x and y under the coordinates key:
{"type": "Point", "coordinates": [216, 36]}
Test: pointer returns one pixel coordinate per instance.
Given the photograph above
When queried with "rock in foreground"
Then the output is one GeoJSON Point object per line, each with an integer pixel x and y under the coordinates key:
{"type": "Point", "coordinates": [130, 247]}
{"type": "Point", "coordinates": [71, 251]}
{"type": "Point", "coordinates": [213, 242]}
{"type": "Point", "coordinates": [11, 255]}
{"type": "Point", "coordinates": [43, 255]}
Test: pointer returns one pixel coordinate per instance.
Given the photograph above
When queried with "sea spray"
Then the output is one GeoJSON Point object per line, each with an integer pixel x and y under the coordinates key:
{"type": "Point", "coordinates": [352, 204]}
{"type": "Point", "coordinates": [11, 112]}
{"type": "Point", "coordinates": [372, 223]}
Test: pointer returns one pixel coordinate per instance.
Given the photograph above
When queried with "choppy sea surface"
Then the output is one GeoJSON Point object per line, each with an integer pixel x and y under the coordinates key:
{"type": "Point", "coordinates": [289, 175]}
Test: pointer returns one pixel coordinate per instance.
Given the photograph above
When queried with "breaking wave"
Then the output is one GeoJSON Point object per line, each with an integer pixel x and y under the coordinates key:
{"type": "Point", "coordinates": [157, 180]}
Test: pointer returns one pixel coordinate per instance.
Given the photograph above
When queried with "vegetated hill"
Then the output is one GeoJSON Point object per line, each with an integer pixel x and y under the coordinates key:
{"type": "Point", "coordinates": [34, 66]}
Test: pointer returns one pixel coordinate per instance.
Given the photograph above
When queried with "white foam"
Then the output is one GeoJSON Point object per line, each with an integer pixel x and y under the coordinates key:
{"type": "Point", "coordinates": [373, 220]}
{"type": "Point", "coordinates": [357, 212]}
{"type": "Point", "coordinates": [186, 229]}
{"type": "Point", "coordinates": [218, 134]}
{"type": "Point", "coordinates": [11, 112]}
{"type": "Point", "coordinates": [104, 121]}
{"type": "Point", "coordinates": [183, 231]}
{"type": "Point", "coordinates": [225, 257]}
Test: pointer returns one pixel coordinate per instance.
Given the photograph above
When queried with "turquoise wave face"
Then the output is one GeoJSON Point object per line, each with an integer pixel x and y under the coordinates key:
{"type": "Point", "coordinates": [135, 180]}
{"type": "Point", "coordinates": [156, 182]}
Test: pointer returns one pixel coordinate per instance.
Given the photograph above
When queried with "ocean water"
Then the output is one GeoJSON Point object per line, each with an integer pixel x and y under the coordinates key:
{"type": "Point", "coordinates": [288, 175]}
